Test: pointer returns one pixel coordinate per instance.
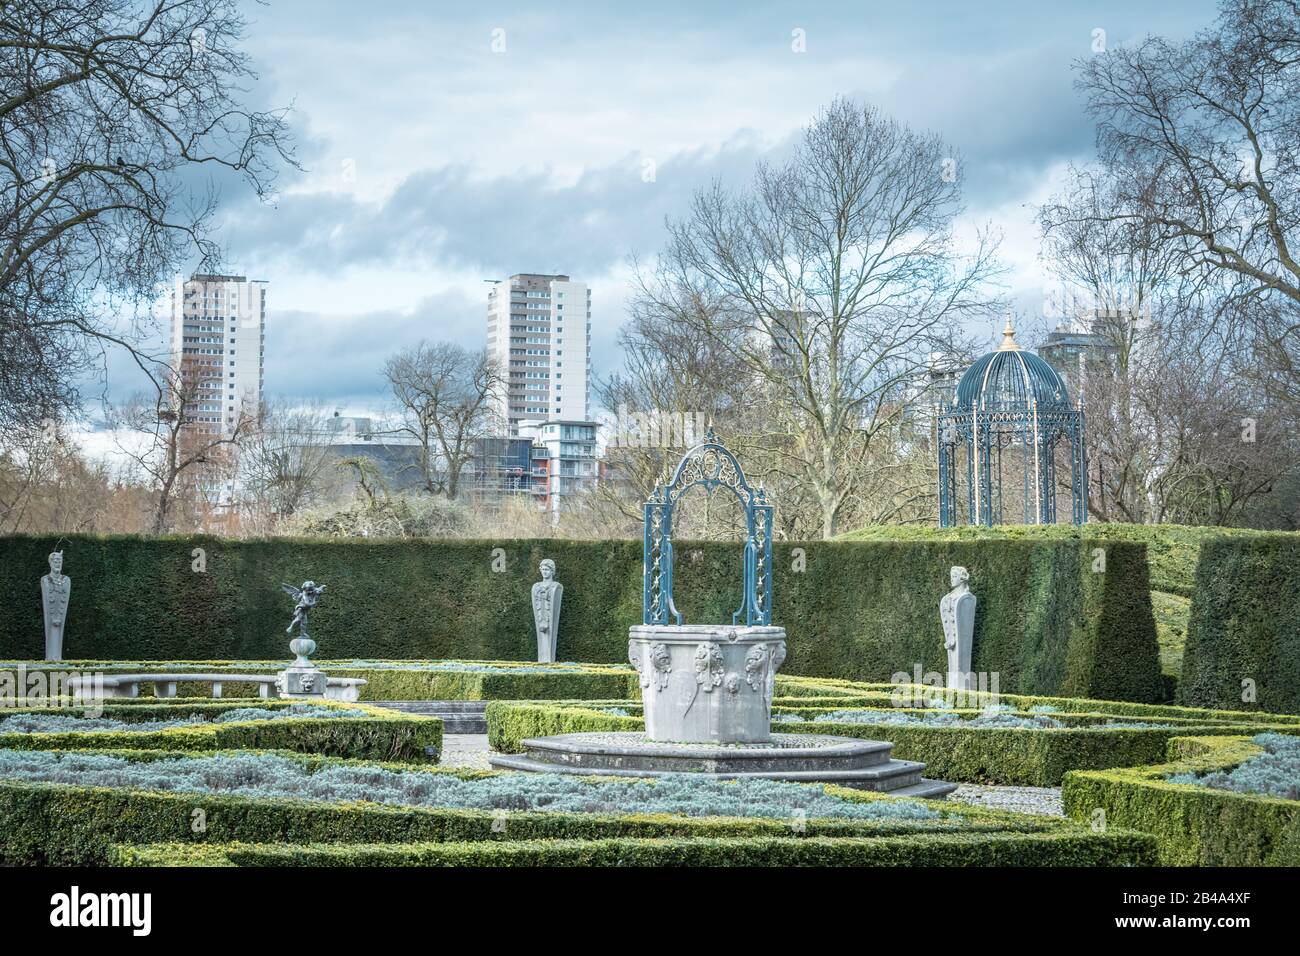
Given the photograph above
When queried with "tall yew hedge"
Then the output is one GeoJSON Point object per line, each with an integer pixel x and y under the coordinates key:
{"type": "Point", "coordinates": [1047, 622]}
{"type": "Point", "coordinates": [1243, 626]}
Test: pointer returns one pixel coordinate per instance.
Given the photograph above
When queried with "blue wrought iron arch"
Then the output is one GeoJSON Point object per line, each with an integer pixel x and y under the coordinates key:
{"type": "Point", "coordinates": [711, 466]}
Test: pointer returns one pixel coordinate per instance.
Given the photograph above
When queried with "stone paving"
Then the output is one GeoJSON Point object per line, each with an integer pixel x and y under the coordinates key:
{"type": "Point", "coordinates": [467, 751]}
{"type": "Point", "coordinates": [1042, 800]}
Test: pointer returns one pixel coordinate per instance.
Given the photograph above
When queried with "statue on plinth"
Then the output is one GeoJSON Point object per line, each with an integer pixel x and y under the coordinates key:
{"type": "Point", "coordinates": [546, 611]}
{"type": "Point", "coordinates": [302, 678]}
{"type": "Point", "coordinates": [957, 612]}
{"type": "Point", "coordinates": [56, 591]}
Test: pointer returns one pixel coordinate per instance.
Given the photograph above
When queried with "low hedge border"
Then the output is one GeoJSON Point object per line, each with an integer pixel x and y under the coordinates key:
{"type": "Point", "coordinates": [1019, 756]}
{"type": "Point", "coordinates": [61, 824]}
{"type": "Point", "coordinates": [843, 689]}
{"type": "Point", "coordinates": [401, 681]}
{"type": "Point", "coordinates": [380, 735]}
{"type": "Point", "coordinates": [1193, 826]}
{"type": "Point", "coordinates": [928, 849]}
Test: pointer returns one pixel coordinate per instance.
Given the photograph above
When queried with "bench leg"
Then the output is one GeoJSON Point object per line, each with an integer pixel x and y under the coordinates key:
{"type": "Point", "coordinates": [164, 689]}
{"type": "Point", "coordinates": [216, 688]}
{"type": "Point", "coordinates": [264, 691]}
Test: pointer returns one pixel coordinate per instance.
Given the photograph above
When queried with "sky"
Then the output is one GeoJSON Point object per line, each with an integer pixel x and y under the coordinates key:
{"type": "Point", "coordinates": [446, 144]}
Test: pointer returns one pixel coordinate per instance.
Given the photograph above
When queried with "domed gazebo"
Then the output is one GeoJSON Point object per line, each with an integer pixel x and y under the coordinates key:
{"type": "Point", "coordinates": [1010, 407]}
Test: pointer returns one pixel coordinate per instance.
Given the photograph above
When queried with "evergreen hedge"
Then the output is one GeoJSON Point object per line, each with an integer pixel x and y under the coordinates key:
{"type": "Point", "coordinates": [379, 735]}
{"type": "Point", "coordinates": [1194, 826]}
{"type": "Point", "coordinates": [1243, 625]}
{"type": "Point", "coordinates": [64, 824]}
{"type": "Point", "coordinates": [1063, 848]}
{"type": "Point", "coordinates": [500, 680]}
{"type": "Point", "coordinates": [816, 691]}
{"type": "Point", "coordinates": [1001, 755]}
{"type": "Point", "coordinates": [1173, 550]}
{"type": "Point", "coordinates": [861, 610]}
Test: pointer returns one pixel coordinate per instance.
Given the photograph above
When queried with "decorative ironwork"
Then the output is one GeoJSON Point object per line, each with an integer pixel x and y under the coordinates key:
{"type": "Point", "coordinates": [711, 466]}
{"type": "Point", "coordinates": [1009, 400]}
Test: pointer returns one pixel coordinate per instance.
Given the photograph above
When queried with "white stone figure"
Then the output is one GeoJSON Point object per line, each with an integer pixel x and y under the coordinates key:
{"type": "Point", "coordinates": [957, 612]}
{"type": "Point", "coordinates": [546, 611]}
{"type": "Point", "coordinates": [56, 589]}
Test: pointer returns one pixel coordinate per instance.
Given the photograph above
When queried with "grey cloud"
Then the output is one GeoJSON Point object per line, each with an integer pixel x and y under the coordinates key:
{"type": "Point", "coordinates": [449, 218]}
{"type": "Point", "coordinates": [339, 357]}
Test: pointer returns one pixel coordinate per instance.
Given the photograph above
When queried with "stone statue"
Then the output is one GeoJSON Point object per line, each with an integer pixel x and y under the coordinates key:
{"type": "Point", "coordinates": [302, 678]}
{"type": "Point", "coordinates": [306, 596]}
{"type": "Point", "coordinates": [546, 611]}
{"type": "Point", "coordinates": [56, 590]}
{"type": "Point", "coordinates": [957, 612]}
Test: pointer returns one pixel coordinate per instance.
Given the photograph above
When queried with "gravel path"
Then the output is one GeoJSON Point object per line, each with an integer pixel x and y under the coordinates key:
{"type": "Point", "coordinates": [1043, 800]}
{"type": "Point", "coordinates": [467, 751]}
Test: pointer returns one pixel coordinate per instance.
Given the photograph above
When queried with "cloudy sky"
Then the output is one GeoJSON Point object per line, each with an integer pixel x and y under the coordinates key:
{"type": "Point", "coordinates": [445, 144]}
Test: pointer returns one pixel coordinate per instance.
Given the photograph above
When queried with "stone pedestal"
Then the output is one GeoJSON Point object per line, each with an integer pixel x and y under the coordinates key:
{"type": "Point", "coordinates": [705, 683]}
{"type": "Point", "coordinates": [302, 679]}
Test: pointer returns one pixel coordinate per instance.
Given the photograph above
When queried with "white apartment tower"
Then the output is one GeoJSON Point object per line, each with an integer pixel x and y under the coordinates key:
{"type": "Point", "coordinates": [539, 331]}
{"type": "Point", "coordinates": [218, 338]}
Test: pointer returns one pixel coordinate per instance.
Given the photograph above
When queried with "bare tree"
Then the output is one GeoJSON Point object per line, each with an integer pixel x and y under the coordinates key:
{"type": "Point", "coordinates": [676, 381]}
{"type": "Point", "coordinates": [1207, 134]}
{"type": "Point", "coordinates": [837, 274]}
{"type": "Point", "coordinates": [283, 463]}
{"type": "Point", "coordinates": [46, 484]}
{"type": "Point", "coordinates": [165, 442]}
{"type": "Point", "coordinates": [106, 108]}
{"type": "Point", "coordinates": [444, 393]}
{"type": "Point", "coordinates": [1115, 274]}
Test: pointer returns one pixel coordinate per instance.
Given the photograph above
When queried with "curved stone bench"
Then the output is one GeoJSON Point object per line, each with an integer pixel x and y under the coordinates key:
{"type": "Point", "coordinates": [164, 685]}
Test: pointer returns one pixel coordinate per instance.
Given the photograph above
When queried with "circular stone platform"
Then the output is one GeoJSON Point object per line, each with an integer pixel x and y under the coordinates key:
{"type": "Point", "coordinates": [801, 758]}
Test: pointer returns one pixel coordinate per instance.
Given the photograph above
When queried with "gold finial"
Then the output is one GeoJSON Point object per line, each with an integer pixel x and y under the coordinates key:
{"type": "Point", "coordinates": [1009, 343]}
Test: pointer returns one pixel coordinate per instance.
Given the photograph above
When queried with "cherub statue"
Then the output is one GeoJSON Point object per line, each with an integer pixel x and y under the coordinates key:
{"type": "Point", "coordinates": [306, 596]}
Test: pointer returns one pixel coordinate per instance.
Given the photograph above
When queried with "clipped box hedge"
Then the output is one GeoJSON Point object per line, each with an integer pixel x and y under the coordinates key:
{"type": "Point", "coordinates": [379, 735]}
{"type": "Point", "coordinates": [1242, 625]}
{"type": "Point", "coordinates": [860, 610]}
{"type": "Point", "coordinates": [385, 680]}
{"type": "Point", "coordinates": [1193, 825]}
{"type": "Point", "coordinates": [1022, 756]}
{"type": "Point", "coordinates": [1060, 848]}
{"type": "Point", "coordinates": [844, 692]}
{"type": "Point", "coordinates": [58, 823]}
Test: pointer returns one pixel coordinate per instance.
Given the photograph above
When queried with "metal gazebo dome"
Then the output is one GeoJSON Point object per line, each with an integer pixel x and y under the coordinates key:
{"type": "Point", "coordinates": [1010, 406]}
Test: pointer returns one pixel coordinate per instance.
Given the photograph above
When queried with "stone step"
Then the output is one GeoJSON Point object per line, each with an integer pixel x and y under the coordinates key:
{"type": "Point", "coordinates": [475, 707]}
{"type": "Point", "coordinates": [927, 789]}
{"type": "Point", "coordinates": [897, 778]}
{"type": "Point", "coordinates": [597, 753]}
{"type": "Point", "coordinates": [466, 726]}
{"type": "Point", "coordinates": [457, 716]}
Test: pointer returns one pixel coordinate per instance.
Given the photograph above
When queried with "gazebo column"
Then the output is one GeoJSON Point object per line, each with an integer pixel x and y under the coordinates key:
{"type": "Point", "coordinates": [1046, 482]}
{"type": "Point", "coordinates": [985, 475]}
{"type": "Point", "coordinates": [1027, 494]}
{"type": "Point", "coordinates": [971, 516]}
{"type": "Point", "coordinates": [1079, 474]}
